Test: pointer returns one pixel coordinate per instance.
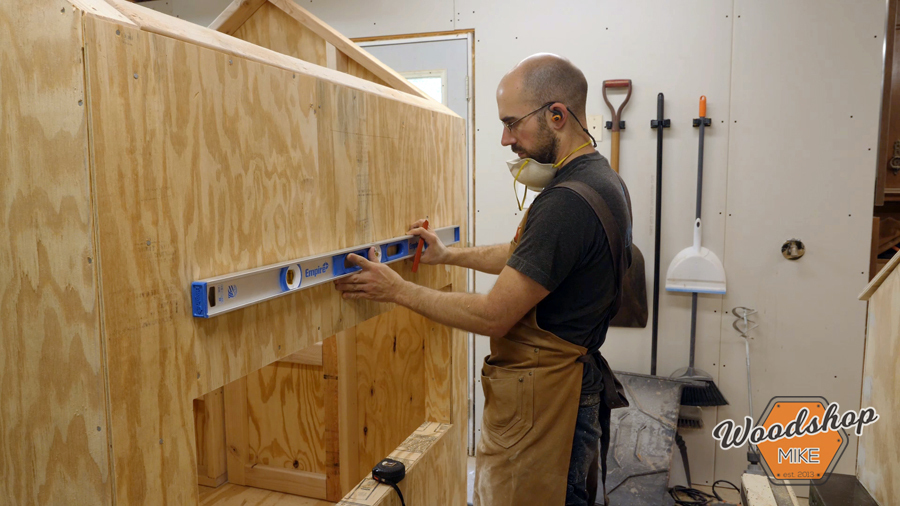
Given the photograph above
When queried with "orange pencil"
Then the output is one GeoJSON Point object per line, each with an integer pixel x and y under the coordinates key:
{"type": "Point", "coordinates": [419, 249]}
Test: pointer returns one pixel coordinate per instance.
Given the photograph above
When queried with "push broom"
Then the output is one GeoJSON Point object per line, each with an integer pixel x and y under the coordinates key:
{"type": "Point", "coordinates": [697, 270]}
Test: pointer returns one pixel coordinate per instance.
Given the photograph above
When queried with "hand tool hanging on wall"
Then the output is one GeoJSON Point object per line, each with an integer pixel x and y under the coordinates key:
{"type": "Point", "coordinates": [221, 294]}
{"type": "Point", "coordinates": [744, 325]}
{"type": "Point", "coordinates": [617, 122]}
{"type": "Point", "coordinates": [696, 269]}
{"type": "Point", "coordinates": [633, 311]}
{"type": "Point", "coordinates": [659, 124]}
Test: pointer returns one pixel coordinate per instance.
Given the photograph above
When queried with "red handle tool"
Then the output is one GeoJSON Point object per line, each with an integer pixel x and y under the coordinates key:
{"type": "Point", "coordinates": [419, 249]}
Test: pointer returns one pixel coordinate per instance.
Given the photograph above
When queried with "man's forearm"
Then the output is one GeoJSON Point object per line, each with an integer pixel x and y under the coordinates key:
{"type": "Point", "coordinates": [466, 311]}
{"type": "Point", "coordinates": [489, 259]}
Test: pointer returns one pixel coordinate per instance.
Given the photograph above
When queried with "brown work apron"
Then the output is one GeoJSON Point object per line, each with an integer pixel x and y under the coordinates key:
{"type": "Point", "coordinates": [532, 386]}
{"type": "Point", "coordinates": [532, 383]}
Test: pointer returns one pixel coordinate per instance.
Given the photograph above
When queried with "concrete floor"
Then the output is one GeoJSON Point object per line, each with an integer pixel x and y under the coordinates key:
{"type": "Point", "coordinates": [726, 493]}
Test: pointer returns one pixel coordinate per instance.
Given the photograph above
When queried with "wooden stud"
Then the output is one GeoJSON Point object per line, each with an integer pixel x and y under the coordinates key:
{"type": "Point", "coordinates": [235, 15]}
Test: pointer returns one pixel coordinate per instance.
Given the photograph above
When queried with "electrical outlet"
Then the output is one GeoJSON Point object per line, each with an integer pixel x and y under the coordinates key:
{"type": "Point", "coordinates": [595, 126]}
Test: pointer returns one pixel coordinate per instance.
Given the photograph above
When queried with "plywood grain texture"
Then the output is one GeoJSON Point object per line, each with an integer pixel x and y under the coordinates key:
{"type": "Point", "coordinates": [154, 22]}
{"type": "Point", "coordinates": [205, 163]}
{"type": "Point", "coordinates": [878, 463]}
{"type": "Point", "coordinates": [286, 27]}
{"type": "Point", "coordinates": [391, 387]}
{"type": "Point", "coordinates": [286, 407]}
{"type": "Point", "coordinates": [143, 154]}
{"type": "Point", "coordinates": [53, 426]}
{"type": "Point", "coordinates": [272, 28]}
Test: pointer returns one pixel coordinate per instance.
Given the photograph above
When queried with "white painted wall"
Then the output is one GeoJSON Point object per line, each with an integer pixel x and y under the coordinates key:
{"type": "Point", "coordinates": [783, 159]}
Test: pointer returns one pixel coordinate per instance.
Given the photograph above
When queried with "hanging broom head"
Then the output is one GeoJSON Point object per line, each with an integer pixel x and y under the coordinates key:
{"type": "Point", "coordinates": [705, 394]}
{"type": "Point", "coordinates": [696, 269]}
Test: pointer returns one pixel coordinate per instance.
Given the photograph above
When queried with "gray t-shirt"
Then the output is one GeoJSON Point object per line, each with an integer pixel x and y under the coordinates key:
{"type": "Point", "coordinates": [564, 248]}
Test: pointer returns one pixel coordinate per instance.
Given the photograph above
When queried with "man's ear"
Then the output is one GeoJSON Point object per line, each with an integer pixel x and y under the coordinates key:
{"type": "Point", "coordinates": [558, 115]}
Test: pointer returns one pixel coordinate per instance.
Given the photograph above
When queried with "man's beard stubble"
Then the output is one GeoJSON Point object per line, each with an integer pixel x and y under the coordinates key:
{"type": "Point", "coordinates": [546, 147]}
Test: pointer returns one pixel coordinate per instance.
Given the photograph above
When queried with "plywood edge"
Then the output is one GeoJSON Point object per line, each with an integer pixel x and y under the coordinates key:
{"type": "Point", "coordinates": [216, 482]}
{"type": "Point", "coordinates": [300, 483]}
{"type": "Point", "coordinates": [348, 47]}
{"type": "Point", "coordinates": [422, 453]}
{"type": "Point", "coordinates": [879, 278]}
{"type": "Point", "coordinates": [311, 355]}
{"type": "Point", "coordinates": [101, 9]}
{"type": "Point", "coordinates": [151, 21]}
{"type": "Point", "coordinates": [235, 15]}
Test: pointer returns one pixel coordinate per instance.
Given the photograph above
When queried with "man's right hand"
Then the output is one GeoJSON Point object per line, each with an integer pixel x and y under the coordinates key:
{"type": "Point", "coordinates": [436, 253]}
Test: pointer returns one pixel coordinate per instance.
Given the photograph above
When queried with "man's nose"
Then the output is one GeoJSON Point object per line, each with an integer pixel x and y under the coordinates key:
{"type": "Point", "coordinates": [507, 138]}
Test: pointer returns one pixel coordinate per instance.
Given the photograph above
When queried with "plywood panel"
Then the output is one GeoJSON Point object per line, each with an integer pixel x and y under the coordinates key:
{"type": "Point", "coordinates": [271, 28]}
{"type": "Point", "coordinates": [878, 463]}
{"type": "Point", "coordinates": [391, 382]}
{"type": "Point", "coordinates": [53, 427]}
{"type": "Point", "coordinates": [154, 22]}
{"type": "Point", "coordinates": [286, 406]}
{"type": "Point", "coordinates": [427, 454]}
{"type": "Point", "coordinates": [204, 164]}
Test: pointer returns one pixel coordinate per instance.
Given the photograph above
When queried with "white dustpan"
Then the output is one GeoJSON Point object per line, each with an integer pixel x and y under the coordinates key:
{"type": "Point", "coordinates": [696, 269]}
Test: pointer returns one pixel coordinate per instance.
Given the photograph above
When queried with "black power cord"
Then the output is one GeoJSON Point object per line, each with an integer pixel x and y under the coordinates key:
{"type": "Point", "coordinates": [390, 472]}
{"type": "Point", "coordinates": [684, 496]}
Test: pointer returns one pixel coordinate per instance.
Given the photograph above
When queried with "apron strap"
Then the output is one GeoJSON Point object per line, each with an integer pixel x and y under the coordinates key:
{"type": "Point", "coordinates": [619, 245]}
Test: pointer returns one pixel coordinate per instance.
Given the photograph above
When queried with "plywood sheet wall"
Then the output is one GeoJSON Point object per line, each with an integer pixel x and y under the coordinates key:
{"type": "Point", "coordinates": [272, 28]}
{"type": "Point", "coordinates": [205, 163]}
{"type": "Point", "coordinates": [53, 419]}
{"type": "Point", "coordinates": [878, 463]}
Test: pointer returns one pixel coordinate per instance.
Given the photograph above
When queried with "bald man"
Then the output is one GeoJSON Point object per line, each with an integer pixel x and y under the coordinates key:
{"type": "Point", "coordinates": [547, 390]}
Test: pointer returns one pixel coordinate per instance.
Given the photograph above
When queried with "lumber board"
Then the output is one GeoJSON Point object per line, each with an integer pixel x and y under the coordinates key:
{"type": "Point", "coordinates": [272, 28]}
{"type": "Point", "coordinates": [53, 428]}
{"type": "Point", "coordinates": [330, 370]}
{"type": "Point", "coordinates": [155, 22]}
{"type": "Point", "coordinates": [348, 414]}
{"type": "Point", "coordinates": [221, 166]}
{"type": "Point", "coordinates": [209, 430]}
{"type": "Point", "coordinates": [235, 15]}
{"type": "Point", "coordinates": [880, 278]}
{"type": "Point", "coordinates": [236, 430]}
{"type": "Point", "coordinates": [238, 495]}
{"type": "Point", "coordinates": [426, 453]}
{"type": "Point", "coordinates": [300, 483]}
{"type": "Point", "coordinates": [878, 463]}
{"type": "Point", "coordinates": [101, 9]}
{"type": "Point", "coordinates": [348, 47]}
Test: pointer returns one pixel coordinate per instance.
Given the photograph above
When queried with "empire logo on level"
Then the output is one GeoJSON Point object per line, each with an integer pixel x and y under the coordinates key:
{"type": "Point", "coordinates": [221, 294]}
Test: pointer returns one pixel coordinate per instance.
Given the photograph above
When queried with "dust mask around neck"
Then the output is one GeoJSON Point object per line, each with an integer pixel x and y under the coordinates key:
{"type": "Point", "coordinates": [533, 174]}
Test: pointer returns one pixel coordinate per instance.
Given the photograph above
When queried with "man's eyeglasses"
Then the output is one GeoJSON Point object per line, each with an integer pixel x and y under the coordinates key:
{"type": "Point", "coordinates": [511, 124]}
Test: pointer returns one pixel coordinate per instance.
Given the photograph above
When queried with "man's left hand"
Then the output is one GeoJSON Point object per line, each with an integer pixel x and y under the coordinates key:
{"type": "Point", "coordinates": [374, 282]}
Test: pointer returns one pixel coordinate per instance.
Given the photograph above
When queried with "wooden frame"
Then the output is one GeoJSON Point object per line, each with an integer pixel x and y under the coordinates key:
{"type": "Point", "coordinates": [240, 12]}
{"type": "Point", "coordinates": [877, 464]}
{"type": "Point", "coordinates": [209, 420]}
{"type": "Point", "coordinates": [157, 153]}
